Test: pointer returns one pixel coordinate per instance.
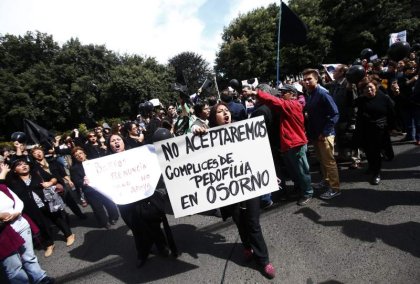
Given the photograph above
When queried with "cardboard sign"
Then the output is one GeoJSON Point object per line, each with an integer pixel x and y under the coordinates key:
{"type": "Point", "coordinates": [229, 164]}
{"type": "Point", "coordinates": [125, 177]}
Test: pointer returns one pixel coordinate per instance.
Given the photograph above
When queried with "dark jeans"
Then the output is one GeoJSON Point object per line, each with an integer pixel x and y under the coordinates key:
{"type": "Point", "coordinates": [376, 141]}
{"type": "Point", "coordinates": [69, 198]}
{"type": "Point", "coordinates": [99, 203]}
{"type": "Point", "coordinates": [44, 225]}
{"type": "Point", "coordinates": [146, 232]}
{"type": "Point", "coordinates": [150, 233]}
{"type": "Point", "coordinates": [60, 219]}
{"type": "Point", "coordinates": [412, 122]}
{"type": "Point", "coordinates": [129, 215]}
{"type": "Point", "coordinates": [248, 223]}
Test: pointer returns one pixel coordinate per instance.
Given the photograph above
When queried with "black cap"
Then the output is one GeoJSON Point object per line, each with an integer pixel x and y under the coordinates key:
{"type": "Point", "coordinates": [18, 136]}
{"type": "Point", "coordinates": [289, 88]}
{"type": "Point", "coordinates": [161, 134]}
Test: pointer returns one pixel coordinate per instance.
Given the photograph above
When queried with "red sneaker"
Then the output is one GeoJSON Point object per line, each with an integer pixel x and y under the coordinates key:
{"type": "Point", "coordinates": [248, 254]}
{"type": "Point", "coordinates": [269, 271]}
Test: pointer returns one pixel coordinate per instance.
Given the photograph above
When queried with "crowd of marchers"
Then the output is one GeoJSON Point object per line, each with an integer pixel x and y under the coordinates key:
{"type": "Point", "coordinates": [345, 116]}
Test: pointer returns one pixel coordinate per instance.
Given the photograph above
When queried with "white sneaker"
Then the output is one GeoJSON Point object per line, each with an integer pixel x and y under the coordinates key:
{"type": "Point", "coordinates": [329, 194]}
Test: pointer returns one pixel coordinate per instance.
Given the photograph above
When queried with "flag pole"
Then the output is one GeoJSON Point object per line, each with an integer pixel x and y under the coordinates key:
{"type": "Point", "coordinates": [217, 87]}
{"type": "Point", "coordinates": [278, 48]}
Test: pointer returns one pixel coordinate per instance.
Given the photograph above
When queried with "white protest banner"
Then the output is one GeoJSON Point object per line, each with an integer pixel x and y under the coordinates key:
{"type": "Point", "coordinates": [227, 165]}
{"type": "Point", "coordinates": [125, 177]}
{"type": "Point", "coordinates": [396, 37]}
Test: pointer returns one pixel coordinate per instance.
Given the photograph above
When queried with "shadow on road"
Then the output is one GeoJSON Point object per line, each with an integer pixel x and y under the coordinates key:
{"type": "Point", "coordinates": [407, 159]}
{"type": "Point", "coordinates": [89, 222]}
{"type": "Point", "coordinates": [112, 251]}
{"type": "Point", "coordinates": [404, 236]}
{"type": "Point", "coordinates": [374, 200]}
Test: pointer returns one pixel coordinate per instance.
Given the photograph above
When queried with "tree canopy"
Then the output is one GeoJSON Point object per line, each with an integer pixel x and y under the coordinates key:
{"type": "Point", "coordinates": [192, 67]}
{"type": "Point", "coordinates": [337, 32]}
{"type": "Point", "coordinates": [61, 87]}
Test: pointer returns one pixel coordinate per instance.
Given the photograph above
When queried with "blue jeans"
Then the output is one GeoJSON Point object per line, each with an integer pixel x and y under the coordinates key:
{"type": "Point", "coordinates": [23, 267]}
{"type": "Point", "coordinates": [296, 161]}
{"type": "Point", "coordinates": [266, 198]}
{"type": "Point", "coordinates": [412, 122]}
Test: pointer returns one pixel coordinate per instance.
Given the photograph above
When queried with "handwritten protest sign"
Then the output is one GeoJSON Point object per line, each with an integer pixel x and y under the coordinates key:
{"type": "Point", "coordinates": [227, 165]}
{"type": "Point", "coordinates": [125, 177]}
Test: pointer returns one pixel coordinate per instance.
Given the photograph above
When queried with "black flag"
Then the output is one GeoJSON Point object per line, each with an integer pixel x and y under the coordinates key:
{"type": "Point", "coordinates": [36, 134]}
{"type": "Point", "coordinates": [181, 84]}
{"type": "Point", "coordinates": [292, 29]}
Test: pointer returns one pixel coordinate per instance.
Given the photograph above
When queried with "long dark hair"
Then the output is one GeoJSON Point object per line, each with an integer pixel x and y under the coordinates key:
{"type": "Point", "coordinates": [127, 127]}
{"type": "Point", "coordinates": [213, 112]}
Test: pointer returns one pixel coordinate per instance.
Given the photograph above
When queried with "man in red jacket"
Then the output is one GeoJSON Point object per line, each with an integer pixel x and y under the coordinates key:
{"type": "Point", "coordinates": [293, 141]}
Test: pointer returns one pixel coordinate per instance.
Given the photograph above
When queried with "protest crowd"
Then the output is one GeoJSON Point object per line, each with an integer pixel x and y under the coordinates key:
{"type": "Point", "coordinates": [339, 114]}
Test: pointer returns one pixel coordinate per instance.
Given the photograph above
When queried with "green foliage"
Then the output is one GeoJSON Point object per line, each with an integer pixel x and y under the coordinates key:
{"type": "Point", "coordinates": [18, 53]}
{"type": "Point", "coordinates": [60, 88]}
{"type": "Point", "coordinates": [318, 45]}
{"type": "Point", "coordinates": [133, 83]}
{"type": "Point", "coordinates": [366, 24]}
{"type": "Point", "coordinates": [112, 122]}
{"type": "Point", "coordinates": [6, 145]}
{"type": "Point", "coordinates": [249, 46]}
{"type": "Point", "coordinates": [194, 68]}
{"type": "Point", "coordinates": [83, 129]}
{"type": "Point", "coordinates": [337, 32]}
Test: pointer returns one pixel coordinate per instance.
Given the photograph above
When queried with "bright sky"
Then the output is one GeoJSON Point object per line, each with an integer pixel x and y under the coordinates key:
{"type": "Point", "coordinates": [154, 28]}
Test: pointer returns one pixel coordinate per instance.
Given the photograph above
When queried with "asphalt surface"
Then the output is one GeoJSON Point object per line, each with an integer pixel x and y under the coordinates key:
{"type": "Point", "coordinates": [369, 234]}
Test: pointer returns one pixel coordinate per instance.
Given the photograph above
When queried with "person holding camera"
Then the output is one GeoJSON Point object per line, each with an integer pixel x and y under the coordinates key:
{"type": "Point", "coordinates": [133, 135]}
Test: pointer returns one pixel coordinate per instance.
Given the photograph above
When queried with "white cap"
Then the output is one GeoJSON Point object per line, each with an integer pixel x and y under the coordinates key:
{"type": "Point", "coordinates": [298, 87]}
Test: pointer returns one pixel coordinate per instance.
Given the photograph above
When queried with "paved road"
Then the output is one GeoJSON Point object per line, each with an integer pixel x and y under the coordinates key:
{"type": "Point", "coordinates": [370, 234]}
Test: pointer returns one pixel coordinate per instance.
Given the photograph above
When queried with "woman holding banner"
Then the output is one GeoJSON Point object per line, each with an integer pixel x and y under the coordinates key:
{"type": "Point", "coordinates": [246, 214]}
{"type": "Point", "coordinates": [96, 200]}
{"type": "Point", "coordinates": [143, 217]}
